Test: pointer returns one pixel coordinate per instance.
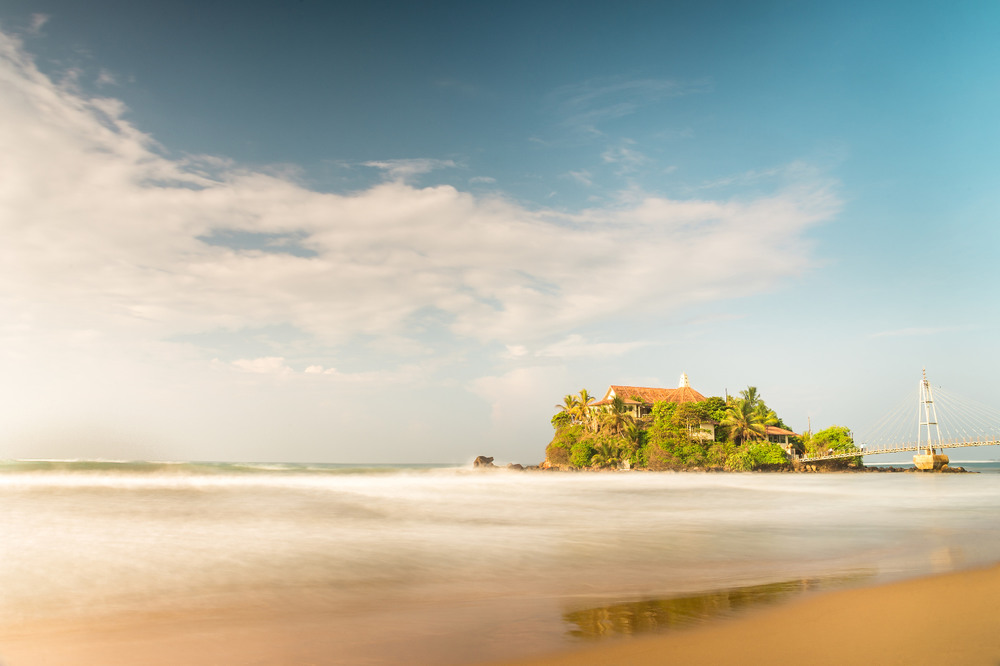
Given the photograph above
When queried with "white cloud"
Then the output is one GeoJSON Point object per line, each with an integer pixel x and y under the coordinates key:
{"type": "Point", "coordinates": [483, 179]}
{"type": "Point", "coordinates": [523, 395]}
{"type": "Point", "coordinates": [583, 177]}
{"type": "Point", "coordinates": [589, 104]}
{"type": "Point", "coordinates": [627, 158]}
{"type": "Point", "coordinates": [38, 21]}
{"type": "Point", "coordinates": [575, 346]}
{"type": "Point", "coordinates": [403, 170]}
{"type": "Point", "coordinates": [106, 78]}
{"type": "Point", "coordinates": [269, 365]}
{"type": "Point", "coordinates": [515, 351]}
{"type": "Point", "coordinates": [101, 232]}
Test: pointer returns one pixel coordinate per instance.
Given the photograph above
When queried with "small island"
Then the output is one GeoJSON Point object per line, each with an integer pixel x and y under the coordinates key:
{"type": "Point", "coordinates": [635, 427]}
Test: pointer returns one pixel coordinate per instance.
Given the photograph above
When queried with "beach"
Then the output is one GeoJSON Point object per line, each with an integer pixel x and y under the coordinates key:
{"type": "Point", "coordinates": [334, 565]}
{"type": "Point", "coordinates": [945, 619]}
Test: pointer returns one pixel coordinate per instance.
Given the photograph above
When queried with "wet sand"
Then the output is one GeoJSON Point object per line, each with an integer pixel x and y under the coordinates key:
{"type": "Point", "coordinates": [947, 619]}
{"type": "Point", "coordinates": [952, 618]}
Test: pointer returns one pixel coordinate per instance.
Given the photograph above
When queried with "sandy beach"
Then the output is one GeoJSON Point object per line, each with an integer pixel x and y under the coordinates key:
{"type": "Point", "coordinates": [946, 619]}
{"type": "Point", "coordinates": [446, 567]}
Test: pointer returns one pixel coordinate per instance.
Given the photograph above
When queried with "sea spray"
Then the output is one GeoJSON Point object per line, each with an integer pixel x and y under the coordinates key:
{"type": "Point", "coordinates": [91, 540]}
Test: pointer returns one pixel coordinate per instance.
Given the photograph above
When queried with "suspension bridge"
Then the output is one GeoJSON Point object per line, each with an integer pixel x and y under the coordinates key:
{"type": "Point", "coordinates": [967, 424]}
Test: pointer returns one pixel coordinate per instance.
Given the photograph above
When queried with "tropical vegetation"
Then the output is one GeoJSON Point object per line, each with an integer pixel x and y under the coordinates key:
{"type": "Point", "coordinates": [672, 435]}
{"type": "Point", "coordinates": [835, 439]}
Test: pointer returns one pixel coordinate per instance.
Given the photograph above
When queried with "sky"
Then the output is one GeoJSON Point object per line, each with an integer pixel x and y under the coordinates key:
{"type": "Point", "coordinates": [399, 232]}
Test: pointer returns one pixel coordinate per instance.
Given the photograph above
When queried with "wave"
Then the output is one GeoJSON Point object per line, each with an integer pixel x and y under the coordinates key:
{"type": "Point", "coordinates": [210, 467]}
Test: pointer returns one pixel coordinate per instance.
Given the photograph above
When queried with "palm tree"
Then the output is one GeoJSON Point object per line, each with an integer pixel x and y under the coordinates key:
{"type": "Point", "coordinates": [569, 406]}
{"type": "Point", "coordinates": [631, 440]}
{"type": "Point", "coordinates": [743, 422]}
{"type": "Point", "coordinates": [767, 416]}
{"type": "Point", "coordinates": [606, 454]}
{"type": "Point", "coordinates": [752, 396]}
{"type": "Point", "coordinates": [617, 417]}
{"type": "Point", "coordinates": [583, 408]}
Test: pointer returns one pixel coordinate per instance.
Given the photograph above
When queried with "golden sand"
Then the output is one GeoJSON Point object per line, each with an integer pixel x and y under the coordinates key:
{"type": "Point", "coordinates": [948, 619]}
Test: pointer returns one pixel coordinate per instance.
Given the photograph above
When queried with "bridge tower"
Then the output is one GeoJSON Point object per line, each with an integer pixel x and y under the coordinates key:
{"type": "Point", "coordinates": [926, 418]}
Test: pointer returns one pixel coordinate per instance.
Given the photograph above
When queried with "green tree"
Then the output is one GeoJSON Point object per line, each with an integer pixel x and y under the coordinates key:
{"type": "Point", "coordinates": [607, 453]}
{"type": "Point", "coordinates": [561, 420]}
{"type": "Point", "coordinates": [742, 421]}
{"type": "Point", "coordinates": [835, 439]}
{"type": "Point", "coordinates": [616, 418]}
{"type": "Point", "coordinates": [688, 417]}
{"type": "Point", "coordinates": [714, 408]}
{"type": "Point", "coordinates": [765, 414]}
{"type": "Point", "coordinates": [569, 404]}
{"type": "Point", "coordinates": [752, 398]}
{"type": "Point", "coordinates": [755, 455]}
{"type": "Point", "coordinates": [632, 441]}
{"type": "Point", "coordinates": [582, 412]}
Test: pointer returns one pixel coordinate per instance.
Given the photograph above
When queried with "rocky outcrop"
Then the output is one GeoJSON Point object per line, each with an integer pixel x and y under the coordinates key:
{"type": "Point", "coordinates": [483, 461]}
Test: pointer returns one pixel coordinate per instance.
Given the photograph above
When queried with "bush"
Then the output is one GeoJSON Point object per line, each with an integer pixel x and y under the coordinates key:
{"type": "Point", "coordinates": [835, 439]}
{"type": "Point", "coordinates": [767, 453]}
{"type": "Point", "coordinates": [659, 459]}
{"type": "Point", "coordinates": [558, 450]}
{"type": "Point", "coordinates": [556, 454]}
{"type": "Point", "coordinates": [756, 455]}
{"type": "Point", "coordinates": [718, 453]}
{"type": "Point", "coordinates": [581, 453]}
{"type": "Point", "coordinates": [561, 420]}
{"type": "Point", "coordinates": [739, 461]}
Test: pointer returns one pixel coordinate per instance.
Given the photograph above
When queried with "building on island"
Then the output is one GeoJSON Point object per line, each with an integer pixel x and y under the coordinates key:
{"type": "Point", "coordinates": [640, 399]}
{"type": "Point", "coordinates": [780, 436]}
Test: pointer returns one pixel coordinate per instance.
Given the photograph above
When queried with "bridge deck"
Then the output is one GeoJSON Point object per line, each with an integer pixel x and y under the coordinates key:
{"type": "Point", "coordinates": [911, 446]}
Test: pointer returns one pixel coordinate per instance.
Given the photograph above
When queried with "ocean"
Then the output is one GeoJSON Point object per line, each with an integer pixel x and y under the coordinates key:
{"type": "Point", "coordinates": [466, 565]}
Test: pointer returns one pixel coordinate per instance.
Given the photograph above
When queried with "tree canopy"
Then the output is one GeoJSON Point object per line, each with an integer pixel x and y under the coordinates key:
{"type": "Point", "coordinates": [710, 433]}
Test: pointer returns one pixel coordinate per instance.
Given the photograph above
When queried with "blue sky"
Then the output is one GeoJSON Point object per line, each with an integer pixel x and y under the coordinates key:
{"type": "Point", "coordinates": [398, 233]}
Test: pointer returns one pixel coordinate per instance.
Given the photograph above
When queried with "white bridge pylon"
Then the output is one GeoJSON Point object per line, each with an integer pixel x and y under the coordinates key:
{"type": "Point", "coordinates": [963, 423]}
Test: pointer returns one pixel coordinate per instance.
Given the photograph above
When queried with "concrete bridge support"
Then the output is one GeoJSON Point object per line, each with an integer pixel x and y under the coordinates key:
{"type": "Point", "coordinates": [930, 460]}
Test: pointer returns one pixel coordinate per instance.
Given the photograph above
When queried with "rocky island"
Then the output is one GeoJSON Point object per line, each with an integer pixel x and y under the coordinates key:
{"type": "Point", "coordinates": [635, 427]}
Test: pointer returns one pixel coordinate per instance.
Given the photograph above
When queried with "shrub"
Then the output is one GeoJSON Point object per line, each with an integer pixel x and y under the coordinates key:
{"type": "Point", "coordinates": [718, 453]}
{"type": "Point", "coordinates": [756, 455]}
{"type": "Point", "coordinates": [561, 420]}
{"type": "Point", "coordinates": [766, 453]}
{"type": "Point", "coordinates": [581, 453]}
{"type": "Point", "coordinates": [739, 461]}
{"type": "Point", "coordinates": [607, 451]}
{"type": "Point", "coordinates": [558, 450]}
{"type": "Point", "coordinates": [556, 454]}
{"type": "Point", "coordinates": [659, 457]}
{"type": "Point", "coordinates": [835, 439]}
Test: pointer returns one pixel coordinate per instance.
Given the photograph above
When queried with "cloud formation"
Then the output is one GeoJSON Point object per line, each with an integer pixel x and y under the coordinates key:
{"type": "Point", "coordinates": [591, 103]}
{"type": "Point", "coordinates": [103, 230]}
{"type": "Point", "coordinates": [405, 169]}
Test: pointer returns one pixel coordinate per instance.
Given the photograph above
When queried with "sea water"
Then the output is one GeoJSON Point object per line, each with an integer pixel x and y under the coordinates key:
{"type": "Point", "coordinates": [443, 554]}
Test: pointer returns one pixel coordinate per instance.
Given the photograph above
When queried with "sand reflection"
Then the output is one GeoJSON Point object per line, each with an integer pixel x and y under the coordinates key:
{"type": "Point", "coordinates": [658, 615]}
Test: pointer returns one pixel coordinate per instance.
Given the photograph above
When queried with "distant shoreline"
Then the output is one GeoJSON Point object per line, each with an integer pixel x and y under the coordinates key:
{"type": "Point", "coordinates": [803, 469]}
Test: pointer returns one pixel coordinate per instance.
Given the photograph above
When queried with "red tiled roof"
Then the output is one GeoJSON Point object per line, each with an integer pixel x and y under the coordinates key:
{"type": "Point", "coordinates": [775, 430]}
{"type": "Point", "coordinates": [648, 395]}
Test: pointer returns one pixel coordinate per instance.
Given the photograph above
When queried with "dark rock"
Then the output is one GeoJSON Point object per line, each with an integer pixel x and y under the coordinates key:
{"type": "Point", "coordinates": [483, 461]}
{"type": "Point", "coordinates": [515, 466]}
